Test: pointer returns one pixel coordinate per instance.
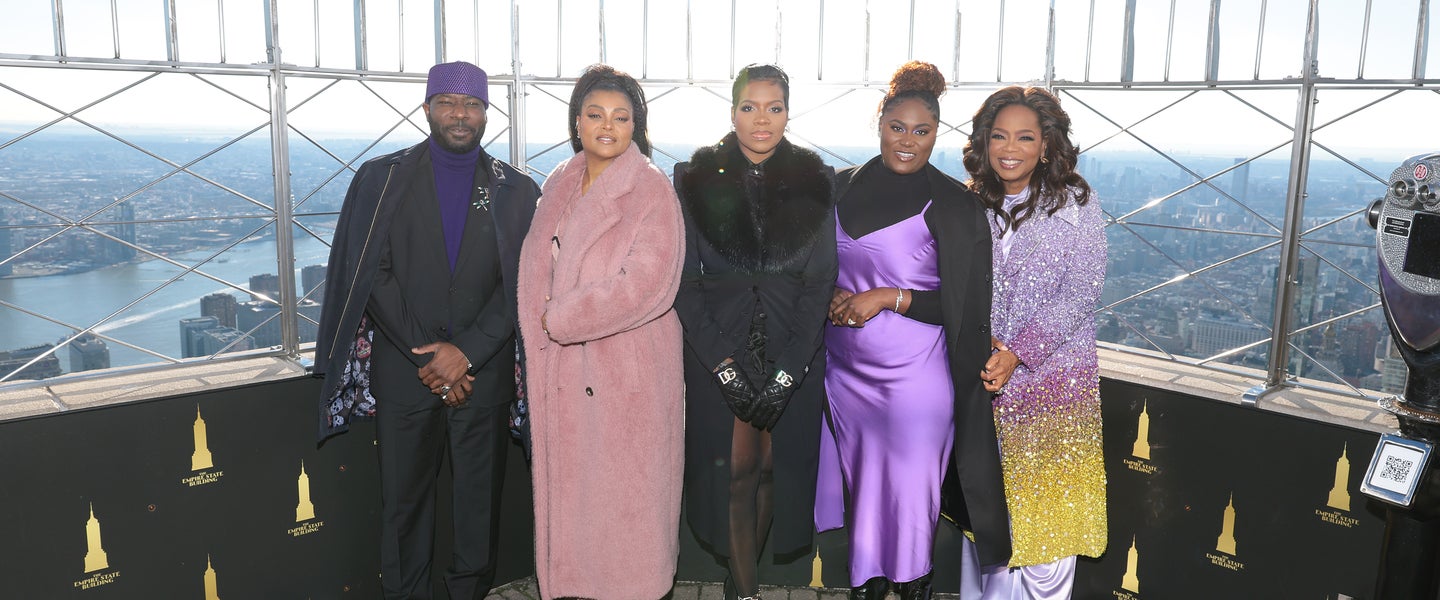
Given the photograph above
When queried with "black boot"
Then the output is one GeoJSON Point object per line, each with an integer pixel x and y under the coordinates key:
{"type": "Point", "coordinates": [916, 590]}
{"type": "Point", "coordinates": [874, 589]}
{"type": "Point", "coordinates": [731, 594]}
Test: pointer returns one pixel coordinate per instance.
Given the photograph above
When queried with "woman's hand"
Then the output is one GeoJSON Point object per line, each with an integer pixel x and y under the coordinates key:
{"type": "Point", "coordinates": [999, 368]}
{"type": "Point", "coordinates": [854, 310]}
{"type": "Point", "coordinates": [839, 296]}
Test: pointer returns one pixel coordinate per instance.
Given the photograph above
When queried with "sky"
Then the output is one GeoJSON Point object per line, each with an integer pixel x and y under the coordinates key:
{"type": "Point", "coordinates": [823, 45]}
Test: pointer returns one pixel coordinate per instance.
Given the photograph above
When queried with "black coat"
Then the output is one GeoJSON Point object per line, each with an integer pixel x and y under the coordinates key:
{"type": "Point", "coordinates": [956, 219]}
{"type": "Point", "coordinates": [768, 247]}
{"type": "Point", "coordinates": [421, 302]}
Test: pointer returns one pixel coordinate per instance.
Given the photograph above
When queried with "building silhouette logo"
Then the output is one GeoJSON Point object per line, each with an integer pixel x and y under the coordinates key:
{"type": "Point", "coordinates": [201, 457]}
{"type": "Point", "coordinates": [201, 461]}
{"type": "Point", "coordinates": [1131, 581]}
{"type": "Point", "coordinates": [1226, 542]}
{"type": "Point", "coordinates": [815, 581]}
{"type": "Point", "coordinates": [1340, 493]}
{"type": "Point", "coordinates": [97, 563]}
{"type": "Point", "coordinates": [212, 591]}
{"type": "Point", "coordinates": [1337, 504]}
{"type": "Point", "coordinates": [1142, 433]}
{"type": "Point", "coordinates": [1139, 461]}
{"type": "Point", "coordinates": [1225, 554]}
{"type": "Point", "coordinates": [304, 508]}
{"type": "Point", "coordinates": [95, 558]}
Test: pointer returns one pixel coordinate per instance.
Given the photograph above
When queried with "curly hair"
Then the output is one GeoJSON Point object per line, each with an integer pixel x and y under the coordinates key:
{"type": "Point", "coordinates": [755, 72]}
{"type": "Point", "coordinates": [915, 79]}
{"type": "Point", "coordinates": [1054, 180]}
{"type": "Point", "coordinates": [606, 78]}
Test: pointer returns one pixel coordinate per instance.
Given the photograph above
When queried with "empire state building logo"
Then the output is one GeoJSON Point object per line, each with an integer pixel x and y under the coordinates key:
{"type": "Point", "coordinates": [97, 563]}
{"type": "Point", "coordinates": [95, 558]}
{"type": "Point", "coordinates": [202, 464]}
{"type": "Point", "coordinates": [1340, 493]}
{"type": "Point", "coordinates": [212, 589]}
{"type": "Point", "coordinates": [304, 508]}
{"type": "Point", "coordinates": [1225, 554]}
{"type": "Point", "coordinates": [200, 459]}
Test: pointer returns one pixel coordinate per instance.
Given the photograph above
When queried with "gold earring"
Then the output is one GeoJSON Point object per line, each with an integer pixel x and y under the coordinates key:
{"type": "Point", "coordinates": [1044, 160]}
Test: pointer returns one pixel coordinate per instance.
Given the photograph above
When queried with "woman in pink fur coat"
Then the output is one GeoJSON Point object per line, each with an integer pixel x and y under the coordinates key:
{"type": "Point", "coordinates": [598, 275]}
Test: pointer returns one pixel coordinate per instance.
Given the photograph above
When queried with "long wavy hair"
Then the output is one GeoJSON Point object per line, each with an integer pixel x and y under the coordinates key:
{"type": "Point", "coordinates": [1054, 181]}
{"type": "Point", "coordinates": [606, 78]}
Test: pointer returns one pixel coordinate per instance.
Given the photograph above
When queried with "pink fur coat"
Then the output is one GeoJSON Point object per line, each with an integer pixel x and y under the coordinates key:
{"type": "Point", "coordinates": [605, 381]}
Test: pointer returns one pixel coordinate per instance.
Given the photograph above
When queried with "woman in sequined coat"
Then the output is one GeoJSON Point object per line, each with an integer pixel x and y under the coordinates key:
{"type": "Point", "coordinates": [1049, 263]}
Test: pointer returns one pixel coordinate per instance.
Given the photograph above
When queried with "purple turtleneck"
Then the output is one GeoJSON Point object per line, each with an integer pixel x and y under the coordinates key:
{"type": "Point", "coordinates": [454, 178]}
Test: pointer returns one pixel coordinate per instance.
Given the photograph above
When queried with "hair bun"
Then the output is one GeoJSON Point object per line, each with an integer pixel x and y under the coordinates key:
{"type": "Point", "coordinates": [917, 76]}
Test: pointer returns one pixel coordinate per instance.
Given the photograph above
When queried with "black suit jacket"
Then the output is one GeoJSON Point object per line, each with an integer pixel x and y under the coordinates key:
{"type": "Point", "coordinates": [390, 216]}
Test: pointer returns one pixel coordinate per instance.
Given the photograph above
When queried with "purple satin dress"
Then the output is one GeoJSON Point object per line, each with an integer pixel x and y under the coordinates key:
{"type": "Point", "coordinates": [891, 411]}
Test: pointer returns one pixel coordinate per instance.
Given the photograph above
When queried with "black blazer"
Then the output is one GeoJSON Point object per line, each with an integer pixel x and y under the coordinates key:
{"type": "Point", "coordinates": [388, 260]}
{"type": "Point", "coordinates": [956, 219]}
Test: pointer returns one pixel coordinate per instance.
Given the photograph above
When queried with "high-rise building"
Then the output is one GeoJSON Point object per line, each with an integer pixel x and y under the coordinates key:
{"type": "Point", "coordinates": [261, 321]}
{"type": "Point", "coordinates": [117, 252]}
{"type": "Point", "coordinates": [88, 352]}
{"type": "Point", "coordinates": [267, 284]}
{"type": "Point", "coordinates": [191, 341]}
{"type": "Point", "coordinates": [7, 267]}
{"type": "Point", "coordinates": [1240, 181]}
{"type": "Point", "coordinates": [1213, 336]}
{"type": "Point", "coordinates": [1393, 372]}
{"type": "Point", "coordinates": [14, 360]}
{"type": "Point", "coordinates": [312, 282]}
{"type": "Point", "coordinates": [222, 306]}
{"type": "Point", "coordinates": [227, 339]}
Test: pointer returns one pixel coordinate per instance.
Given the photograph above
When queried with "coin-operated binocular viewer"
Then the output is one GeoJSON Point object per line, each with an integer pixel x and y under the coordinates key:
{"type": "Point", "coordinates": [1407, 237]}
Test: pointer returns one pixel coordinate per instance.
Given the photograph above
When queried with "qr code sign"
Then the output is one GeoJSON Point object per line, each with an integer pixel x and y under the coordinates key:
{"type": "Point", "coordinates": [1396, 469]}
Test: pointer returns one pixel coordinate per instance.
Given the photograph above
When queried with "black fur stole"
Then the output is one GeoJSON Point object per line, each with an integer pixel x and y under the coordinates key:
{"type": "Point", "coordinates": [759, 224]}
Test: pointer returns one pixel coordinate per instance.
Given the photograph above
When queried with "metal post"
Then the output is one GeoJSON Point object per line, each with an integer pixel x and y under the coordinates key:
{"type": "Point", "coordinates": [955, 59]}
{"type": "Point", "coordinates": [1212, 45]}
{"type": "Point", "coordinates": [362, 61]}
{"type": "Point", "coordinates": [1000, 45]}
{"type": "Point", "coordinates": [280, 157]}
{"type": "Point", "coordinates": [1127, 45]}
{"type": "Point", "coordinates": [1285, 284]}
{"type": "Point", "coordinates": [440, 32]}
{"type": "Point", "coordinates": [220, 12]}
{"type": "Point", "coordinates": [57, 24]}
{"type": "Point", "coordinates": [518, 152]}
{"type": "Point", "coordinates": [172, 33]}
{"type": "Point", "coordinates": [910, 44]}
{"type": "Point", "coordinates": [819, 50]}
{"type": "Point", "coordinates": [1422, 40]}
{"type": "Point", "coordinates": [114, 27]}
{"type": "Point", "coordinates": [1050, 48]}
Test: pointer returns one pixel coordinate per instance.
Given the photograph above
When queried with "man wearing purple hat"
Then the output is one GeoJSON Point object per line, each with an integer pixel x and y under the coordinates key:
{"type": "Point", "coordinates": [418, 331]}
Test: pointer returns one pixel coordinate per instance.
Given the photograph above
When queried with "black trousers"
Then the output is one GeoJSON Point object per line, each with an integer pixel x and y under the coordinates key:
{"type": "Point", "coordinates": [414, 430]}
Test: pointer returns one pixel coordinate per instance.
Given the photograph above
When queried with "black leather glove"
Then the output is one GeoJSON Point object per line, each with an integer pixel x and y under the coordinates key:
{"type": "Point", "coordinates": [772, 400]}
{"type": "Point", "coordinates": [737, 390]}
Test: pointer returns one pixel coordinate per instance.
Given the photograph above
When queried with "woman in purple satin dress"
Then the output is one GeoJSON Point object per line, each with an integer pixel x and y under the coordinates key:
{"type": "Point", "coordinates": [902, 228]}
{"type": "Point", "coordinates": [1049, 258]}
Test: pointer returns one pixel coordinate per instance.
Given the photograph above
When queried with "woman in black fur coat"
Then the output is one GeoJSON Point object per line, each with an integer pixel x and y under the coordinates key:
{"type": "Point", "coordinates": [759, 273]}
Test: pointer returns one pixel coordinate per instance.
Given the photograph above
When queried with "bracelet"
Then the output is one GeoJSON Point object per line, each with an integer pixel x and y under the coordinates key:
{"type": "Point", "coordinates": [899, 295]}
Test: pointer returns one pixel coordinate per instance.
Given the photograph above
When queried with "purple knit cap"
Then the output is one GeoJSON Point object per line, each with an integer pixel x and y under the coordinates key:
{"type": "Point", "coordinates": [458, 78]}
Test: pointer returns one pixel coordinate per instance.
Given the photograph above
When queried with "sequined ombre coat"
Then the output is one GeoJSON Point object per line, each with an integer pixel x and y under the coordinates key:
{"type": "Point", "coordinates": [1048, 415]}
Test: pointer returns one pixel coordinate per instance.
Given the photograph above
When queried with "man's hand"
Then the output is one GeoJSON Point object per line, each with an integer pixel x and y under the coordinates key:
{"type": "Point", "coordinates": [446, 374]}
